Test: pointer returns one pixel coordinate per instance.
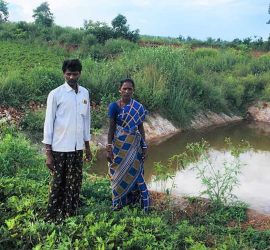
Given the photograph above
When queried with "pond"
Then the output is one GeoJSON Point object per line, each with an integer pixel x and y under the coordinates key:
{"type": "Point", "coordinates": [254, 180]}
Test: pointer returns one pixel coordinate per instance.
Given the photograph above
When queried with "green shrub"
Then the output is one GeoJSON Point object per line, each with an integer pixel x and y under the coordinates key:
{"type": "Point", "coordinates": [218, 182]}
{"type": "Point", "coordinates": [16, 153]}
{"type": "Point", "coordinates": [42, 80]}
{"type": "Point", "coordinates": [185, 235]}
{"type": "Point", "coordinates": [205, 52]}
{"type": "Point", "coordinates": [115, 47]}
{"type": "Point", "coordinates": [13, 90]}
{"type": "Point", "coordinates": [33, 120]}
{"type": "Point", "coordinates": [260, 65]}
{"type": "Point", "coordinates": [71, 36]}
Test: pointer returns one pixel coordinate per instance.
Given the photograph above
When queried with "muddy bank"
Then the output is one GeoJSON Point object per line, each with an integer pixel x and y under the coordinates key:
{"type": "Point", "coordinates": [260, 112]}
{"type": "Point", "coordinates": [182, 208]}
{"type": "Point", "coordinates": [158, 129]}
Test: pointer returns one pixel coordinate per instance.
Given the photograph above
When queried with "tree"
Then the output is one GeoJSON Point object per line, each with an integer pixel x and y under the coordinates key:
{"type": "Point", "coordinates": [3, 11]}
{"type": "Point", "coordinates": [99, 29]}
{"type": "Point", "coordinates": [119, 25]}
{"type": "Point", "coordinates": [121, 29]}
{"type": "Point", "coordinates": [43, 15]}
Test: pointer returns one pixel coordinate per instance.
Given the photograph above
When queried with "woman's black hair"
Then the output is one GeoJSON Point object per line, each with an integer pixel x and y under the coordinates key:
{"type": "Point", "coordinates": [127, 80]}
{"type": "Point", "coordinates": [72, 65]}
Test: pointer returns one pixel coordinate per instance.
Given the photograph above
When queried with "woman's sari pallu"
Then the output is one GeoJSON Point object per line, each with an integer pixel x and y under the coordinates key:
{"type": "Point", "coordinates": [126, 169]}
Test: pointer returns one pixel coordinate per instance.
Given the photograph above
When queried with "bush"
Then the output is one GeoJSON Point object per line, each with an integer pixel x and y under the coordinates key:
{"type": "Point", "coordinates": [71, 36]}
{"type": "Point", "coordinates": [13, 90]}
{"type": "Point", "coordinates": [218, 181]}
{"type": "Point", "coordinates": [16, 153]}
{"type": "Point", "coordinates": [42, 80]}
{"type": "Point", "coordinates": [112, 48]}
{"type": "Point", "coordinates": [33, 120]}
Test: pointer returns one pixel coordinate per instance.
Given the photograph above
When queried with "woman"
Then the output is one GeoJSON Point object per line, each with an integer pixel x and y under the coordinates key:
{"type": "Point", "coordinates": [126, 149]}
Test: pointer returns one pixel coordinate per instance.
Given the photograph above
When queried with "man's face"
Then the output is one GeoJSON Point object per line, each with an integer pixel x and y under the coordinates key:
{"type": "Point", "coordinates": [72, 77]}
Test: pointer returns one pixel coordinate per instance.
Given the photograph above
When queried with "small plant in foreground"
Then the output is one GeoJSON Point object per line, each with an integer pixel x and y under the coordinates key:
{"type": "Point", "coordinates": [219, 182]}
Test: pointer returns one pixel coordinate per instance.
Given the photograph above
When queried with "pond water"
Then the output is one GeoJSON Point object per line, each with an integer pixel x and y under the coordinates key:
{"type": "Point", "coordinates": [254, 180]}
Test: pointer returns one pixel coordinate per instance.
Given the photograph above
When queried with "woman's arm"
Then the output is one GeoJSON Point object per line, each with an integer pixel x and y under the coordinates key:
{"type": "Point", "coordinates": [141, 130]}
{"type": "Point", "coordinates": [144, 145]}
{"type": "Point", "coordinates": [112, 127]}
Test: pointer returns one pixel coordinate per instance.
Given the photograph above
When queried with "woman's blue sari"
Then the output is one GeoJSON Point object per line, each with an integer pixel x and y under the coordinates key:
{"type": "Point", "coordinates": [126, 169]}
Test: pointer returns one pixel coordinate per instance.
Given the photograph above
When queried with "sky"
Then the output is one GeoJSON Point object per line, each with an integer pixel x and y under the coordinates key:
{"type": "Point", "coordinates": [200, 19]}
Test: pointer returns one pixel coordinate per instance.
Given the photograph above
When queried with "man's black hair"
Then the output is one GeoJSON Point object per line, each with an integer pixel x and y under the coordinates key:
{"type": "Point", "coordinates": [127, 80]}
{"type": "Point", "coordinates": [72, 65]}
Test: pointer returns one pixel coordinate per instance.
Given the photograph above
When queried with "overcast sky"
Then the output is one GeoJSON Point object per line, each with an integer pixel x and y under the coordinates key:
{"type": "Point", "coordinates": [225, 19]}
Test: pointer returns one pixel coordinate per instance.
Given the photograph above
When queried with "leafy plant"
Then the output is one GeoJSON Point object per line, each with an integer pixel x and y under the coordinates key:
{"type": "Point", "coordinates": [33, 120]}
{"type": "Point", "coordinates": [15, 153]}
{"type": "Point", "coordinates": [219, 182]}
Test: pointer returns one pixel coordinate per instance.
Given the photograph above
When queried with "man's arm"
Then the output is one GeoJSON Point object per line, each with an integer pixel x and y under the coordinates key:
{"type": "Point", "coordinates": [86, 132]}
{"type": "Point", "coordinates": [49, 128]}
{"type": "Point", "coordinates": [88, 153]}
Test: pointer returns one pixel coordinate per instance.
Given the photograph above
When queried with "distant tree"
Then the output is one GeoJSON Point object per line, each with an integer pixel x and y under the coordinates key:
{"type": "Point", "coordinates": [3, 11]}
{"type": "Point", "coordinates": [247, 40]}
{"type": "Point", "coordinates": [210, 40]}
{"type": "Point", "coordinates": [121, 29]}
{"type": "Point", "coordinates": [43, 15]}
{"type": "Point", "coordinates": [119, 25]}
{"type": "Point", "coordinates": [181, 38]}
{"type": "Point", "coordinates": [99, 29]}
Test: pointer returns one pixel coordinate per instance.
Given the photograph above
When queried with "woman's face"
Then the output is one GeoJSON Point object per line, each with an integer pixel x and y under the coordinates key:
{"type": "Point", "coordinates": [126, 90]}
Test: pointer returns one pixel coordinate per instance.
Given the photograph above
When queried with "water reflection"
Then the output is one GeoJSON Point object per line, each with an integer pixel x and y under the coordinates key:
{"type": "Point", "coordinates": [254, 180]}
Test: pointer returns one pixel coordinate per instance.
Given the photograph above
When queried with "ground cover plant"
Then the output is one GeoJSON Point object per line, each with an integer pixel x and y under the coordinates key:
{"type": "Point", "coordinates": [23, 198]}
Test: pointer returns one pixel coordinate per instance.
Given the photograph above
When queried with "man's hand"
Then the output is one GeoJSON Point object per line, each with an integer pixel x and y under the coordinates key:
{"type": "Point", "coordinates": [88, 154]}
{"type": "Point", "coordinates": [49, 160]}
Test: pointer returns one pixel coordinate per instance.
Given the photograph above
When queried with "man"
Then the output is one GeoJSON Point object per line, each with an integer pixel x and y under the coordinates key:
{"type": "Point", "coordinates": [66, 134]}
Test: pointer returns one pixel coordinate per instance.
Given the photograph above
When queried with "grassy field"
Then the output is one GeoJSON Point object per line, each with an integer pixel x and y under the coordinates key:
{"type": "Point", "coordinates": [23, 199]}
{"type": "Point", "coordinates": [177, 82]}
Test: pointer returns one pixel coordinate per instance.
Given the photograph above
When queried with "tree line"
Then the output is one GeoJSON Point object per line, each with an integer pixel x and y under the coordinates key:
{"type": "Point", "coordinates": [44, 29]}
{"type": "Point", "coordinates": [100, 31]}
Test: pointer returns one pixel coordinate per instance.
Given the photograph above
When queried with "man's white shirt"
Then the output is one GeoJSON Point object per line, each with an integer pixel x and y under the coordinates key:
{"type": "Point", "coordinates": [67, 121]}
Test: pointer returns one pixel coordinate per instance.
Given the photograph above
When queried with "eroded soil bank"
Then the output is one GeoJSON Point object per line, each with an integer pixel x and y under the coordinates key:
{"type": "Point", "coordinates": [158, 129]}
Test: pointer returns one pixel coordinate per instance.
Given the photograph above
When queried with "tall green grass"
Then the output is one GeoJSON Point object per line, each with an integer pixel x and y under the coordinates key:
{"type": "Point", "coordinates": [178, 82]}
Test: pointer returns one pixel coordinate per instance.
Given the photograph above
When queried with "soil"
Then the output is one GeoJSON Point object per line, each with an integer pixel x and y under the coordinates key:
{"type": "Point", "coordinates": [186, 208]}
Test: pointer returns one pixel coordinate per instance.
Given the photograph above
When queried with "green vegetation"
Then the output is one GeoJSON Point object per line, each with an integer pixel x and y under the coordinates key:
{"type": "Point", "coordinates": [178, 82]}
{"type": "Point", "coordinates": [218, 181]}
{"type": "Point", "coordinates": [33, 120]}
{"type": "Point", "coordinates": [254, 43]}
{"type": "Point", "coordinates": [43, 15]}
{"type": "Point", "coordinates": [23, 197]}
{"type": "Point", "coordinates": [3, 11]}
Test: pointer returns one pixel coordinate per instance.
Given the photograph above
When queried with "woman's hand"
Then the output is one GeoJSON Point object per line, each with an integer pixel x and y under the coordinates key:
{"type": "Point", "coordinates": [109, 155]}
{"type": "Point", "coordinates": [144, 154]}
